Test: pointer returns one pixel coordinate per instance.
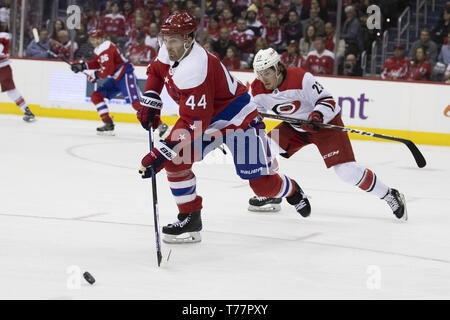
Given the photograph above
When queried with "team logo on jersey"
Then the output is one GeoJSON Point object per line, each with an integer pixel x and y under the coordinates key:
{"type": "Point", "coordinates": [287, 108]}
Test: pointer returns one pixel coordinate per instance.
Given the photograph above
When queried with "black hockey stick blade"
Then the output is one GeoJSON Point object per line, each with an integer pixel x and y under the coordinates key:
{"type": "Point", "coordinates": [418, 156]}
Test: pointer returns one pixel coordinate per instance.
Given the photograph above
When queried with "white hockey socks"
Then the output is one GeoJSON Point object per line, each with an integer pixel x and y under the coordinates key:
{"type": "Point", "coordinates": [365, 179]}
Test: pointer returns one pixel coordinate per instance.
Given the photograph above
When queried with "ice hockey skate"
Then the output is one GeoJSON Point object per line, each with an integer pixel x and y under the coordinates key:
{"type": "Point", "coordinates": [185, 230]}
{"type": "Point", "coordinates": [396, 201]}
{"type": "Point", "coordinates": [263, 204]}
{"type": "Point", "coordinates": [300, 201]}
{"type": "Point", "coordinates": [107, 129]}
{"type": "Point", "coordinates": [28, 115]}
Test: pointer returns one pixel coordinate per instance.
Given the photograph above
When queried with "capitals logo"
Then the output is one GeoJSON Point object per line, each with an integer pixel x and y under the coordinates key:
{"type": "Point", "coordinates": [287, 108]}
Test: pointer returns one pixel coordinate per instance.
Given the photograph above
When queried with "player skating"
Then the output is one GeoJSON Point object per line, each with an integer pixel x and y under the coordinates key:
{"type": "Point", "coordinates": [296, 93]}
{"type": "Point", "coordinates": [210, 102]}
{"type": "Point", "coordinates": [109, 63]}
{"type": "Point", "coordinates": [6, 77]}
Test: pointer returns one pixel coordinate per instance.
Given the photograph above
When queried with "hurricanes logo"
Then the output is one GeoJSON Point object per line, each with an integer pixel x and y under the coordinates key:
{"type": "Point", "coordinates": [286, 108]}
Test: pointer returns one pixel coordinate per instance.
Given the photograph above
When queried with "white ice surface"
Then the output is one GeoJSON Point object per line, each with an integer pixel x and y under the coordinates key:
{"type": "Point", "coordinates": [71, 198]}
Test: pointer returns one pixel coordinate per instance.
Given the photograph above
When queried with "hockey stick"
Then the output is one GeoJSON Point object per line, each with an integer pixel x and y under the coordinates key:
{"type": "Point", "coordinates": [54, 55]}
{"type": "Point", "coordinates": [155, 204]}
{"type": "Point", "coordinates": [420, 160]}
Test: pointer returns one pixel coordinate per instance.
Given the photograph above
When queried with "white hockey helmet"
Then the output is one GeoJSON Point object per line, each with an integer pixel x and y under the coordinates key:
{"type": "Point", "coordinates": [264, 59]}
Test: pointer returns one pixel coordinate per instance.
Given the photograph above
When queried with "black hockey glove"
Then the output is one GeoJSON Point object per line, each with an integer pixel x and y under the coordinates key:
{"type": "Point", "coordinates": [78, 67]}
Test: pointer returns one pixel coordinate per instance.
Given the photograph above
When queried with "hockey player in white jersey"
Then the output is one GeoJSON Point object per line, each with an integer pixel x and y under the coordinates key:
{"type": "Point", "coordinates": [296, 93]}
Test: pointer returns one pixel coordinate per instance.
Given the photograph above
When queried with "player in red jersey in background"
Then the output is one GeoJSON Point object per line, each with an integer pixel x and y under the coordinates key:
{"type": "Point", "coordinates": [214, 108]}
{"type": "Point", "coordinates": [397, 67]}
{"type": "Point", "coordinates": [109, 63]}
{"type": "Point", "coordinates": [296, 93]}
{"type": "Point", "coordinates": [6, 77]}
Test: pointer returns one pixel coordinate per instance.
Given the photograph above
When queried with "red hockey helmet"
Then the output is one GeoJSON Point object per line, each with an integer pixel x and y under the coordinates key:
{"type": "Point", "coordinates": [96, 33]}
{"type": "Point", "coordinates": [179, 23]}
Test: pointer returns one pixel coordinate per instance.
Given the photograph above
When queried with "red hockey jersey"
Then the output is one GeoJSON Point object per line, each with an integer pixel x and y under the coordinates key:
{"type": "Point", "coordinates": [420, 72]}
{"type": "Point", "coordinates": [396, 68]}
{"type": "Point", "coordinates": [108, 60]}
{"type": "Point", "coordinates": [140, 54]}
{"type": "Point", "coordinates": [245, 40]}
{"type": "Point", "coordinates": [319, 63]}
{"type": "Point", "coordinates": [5, 39]}
{"type": "Point", "coordinates": [204, 90]}
{"type": "Point", "coordinates": [114, 24]}
{"type": "Point", "coordinates": [292, 61]}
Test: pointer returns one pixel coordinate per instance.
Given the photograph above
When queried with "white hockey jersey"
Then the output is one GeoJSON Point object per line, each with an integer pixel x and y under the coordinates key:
{"type": "Point", "coordinates": [298, 95]}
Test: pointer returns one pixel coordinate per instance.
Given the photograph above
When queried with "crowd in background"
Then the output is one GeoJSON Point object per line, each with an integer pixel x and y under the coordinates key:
{"type": "Point", "coordinates": [302, 31]}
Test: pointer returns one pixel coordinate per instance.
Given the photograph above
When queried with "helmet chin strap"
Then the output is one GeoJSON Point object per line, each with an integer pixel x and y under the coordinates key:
{"type": "Point", "coordinates": [186, 49]}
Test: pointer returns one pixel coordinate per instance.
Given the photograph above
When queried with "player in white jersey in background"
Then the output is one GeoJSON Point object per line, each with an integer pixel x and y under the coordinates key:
{"type": "Point", "coordinates": [6, 77]}
{"type": "Point", "coordinates": [296, 93]}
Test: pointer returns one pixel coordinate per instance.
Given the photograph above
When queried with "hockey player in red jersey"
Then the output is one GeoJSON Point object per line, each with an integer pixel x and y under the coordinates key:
{"type": "Point", "coordinates": [6, 77]}
{"type": "Point", "coordinates": [296, 93]}
{"type": "Point", "coordinates": [109, 63]}
{"type": "Point", "coordinates": [214, 108]}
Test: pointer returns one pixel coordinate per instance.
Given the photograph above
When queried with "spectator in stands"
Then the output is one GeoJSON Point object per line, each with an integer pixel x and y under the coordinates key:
{"type": "Point", "coordinates": [157, 16]}
{"type": "Point", "coordinates": [442, 28]}
{"type": "Point", "coordinates": [302, 11]}
{"type": "Point", "coordinates": [57, 26]}
{"type": "Point", "coordinates": [273, 32]}
{"type": "Point", "coordinates": [351, 31]}
{"type": "Point", "coordinates": [93, 20]}
{"type": "Point", "coordinates": [426, 43]}
{"type": "Point", "coordinates": [420, 67]}
{"type": "Point", "coordinates": [35, 51]}
{"type": "Point", "coordinates": [220, 6]}
{"type": "Point", "coordinates": [397, 67]}
{"type": "Point", "coordinates": [139, 25]}
{"type": "Point", "coordinates": [128, 11]}
{"type": "Point", "coordinates": [292, 57]}
{"type": "Point", "coordinates": [307, 42]}
{"type": "Point", "coordinates": [63, 46]}
{"type": "Point", "coordinates": [267, 9]}
{"type": "Point", "coordinates": [231, 60]}
{"type": "Point", "coordinates": [223, 43]}
{"type": "Point", "coordinates": [252, 20]}
{"type": "Point", "coordinates": [214, 28]}
{"type": "Point", "coordinates": [447, 75]}
{"type": "Point", "coordinates": [351, 67]}
{"type": "Point", "coordinates": [209, 46]}
{"type": "Point", "coordinates": [293, 28]}
{"type": "Point", "coordinates": [139, 52]}
{"type": "Point", "coordinates": [152, 37]}
{"type": "Point", "coordinates": [114, 24]}
{"type": "Point", "coordinates": [444, 56]}
{"type": "Point", "coordinates": [320, 60]}
{"type": "Point", "coordinates": [315, 21]}
{"type": "Point", "coordinates": [244, 38]}
{"type": "Point", "coordinates": [323, 13]}
{"type": "Point", "coordinates": [330, 36]}
{"type": "Point", "coordinates": [260, 44]}
{"type": "Point", "coordinates": [227, 20]}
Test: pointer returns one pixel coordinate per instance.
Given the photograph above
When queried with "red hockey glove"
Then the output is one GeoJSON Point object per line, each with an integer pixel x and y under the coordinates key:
{"type": "Point", "coordinates": [315, 116]}
{"type": "Point", "coordinates": [150, 110]}
{"type": "Point", "coordinates": [156, 158]}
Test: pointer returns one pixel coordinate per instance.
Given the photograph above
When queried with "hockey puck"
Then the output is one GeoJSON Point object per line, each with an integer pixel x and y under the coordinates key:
{"type": "Point", "coordinates": [88, 277]}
